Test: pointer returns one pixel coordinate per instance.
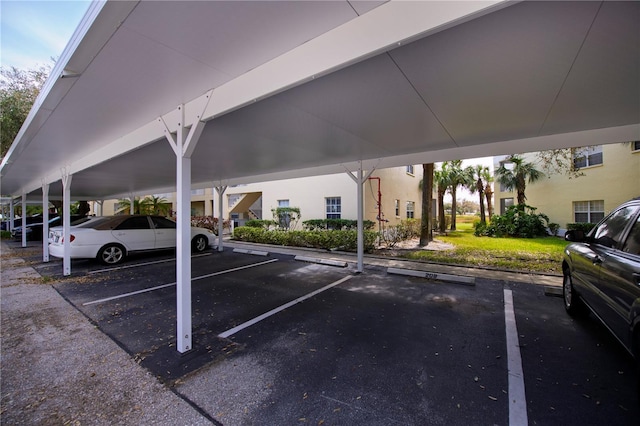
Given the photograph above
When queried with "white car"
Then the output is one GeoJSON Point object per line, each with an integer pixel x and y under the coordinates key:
{"type": "Point", "coordinates": [110, 239]}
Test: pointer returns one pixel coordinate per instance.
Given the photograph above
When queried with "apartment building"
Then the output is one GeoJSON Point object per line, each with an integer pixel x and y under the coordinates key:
{"type": "Point", "coordinates": [390, 195]}
{"type": "Point", "coordinates": [610, 176]}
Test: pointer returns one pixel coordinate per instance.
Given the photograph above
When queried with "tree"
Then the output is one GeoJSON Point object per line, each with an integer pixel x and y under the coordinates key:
{"type": "Point", "coordinates": [125, 206]}
{"type": "Point", "coordinates": [456, 176]}
{"type": "Point", "coordinates": [478, 172]}
{"type": "Point", "coordinates": [488, 190]}
{"type": "Point", "coordinates": [156, 206]}
{"type": "Point", "coordinates": [517, 175]}
{"type": "Point", "coordinates": [560, 161]}
{"type": "Point", "coordinates": [18, 92]}
{"type": "Point", "coordinates": [440, 179]}
{"type": "Point", "coordinates": [426, 185]}
{"type": "Point", "coordinates": [148, 205]}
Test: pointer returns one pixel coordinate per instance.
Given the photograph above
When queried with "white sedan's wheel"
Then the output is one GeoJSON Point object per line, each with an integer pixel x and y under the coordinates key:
{"type": "Point", "coordinates": [200, 243]}
{"type": "Point", "coordinates": [111, 254]}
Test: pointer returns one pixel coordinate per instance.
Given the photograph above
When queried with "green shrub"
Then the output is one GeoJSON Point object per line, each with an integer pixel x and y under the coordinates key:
{"type": "Point", "coordinates": [518, 221]}
{"type": "Point", "coordinates": [405, 230]}
{"type": "Point", "coordinates": [580, 226]}
{"type": "Point", "coordinates": [479, 228]}
{"type": "Point", "coordinates": [5, 235]}
{"type": "Point", "coordinates": [343, 224]}
{"type": "Point", "coordinates": [553, 229]}
{"type": "Point", "coordinates": [260, 223]}
{"type": "Point", "coordinates": [286, 217]}
{"type": "Point", "coordinates": [327, 239]}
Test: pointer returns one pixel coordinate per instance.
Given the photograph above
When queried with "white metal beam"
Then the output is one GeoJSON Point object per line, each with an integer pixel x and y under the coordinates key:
{"type": "Point", "coordinates": [45, 222]}
{"type": "Point", "coordinates": [24, 220]}
{"type": "Point", "coordinates": [66, 216]}
{"type": "Point", "coordinates": [360, 179]}
{"type": "Point", "coordinates": [221, 190]}
{"type": "Point", "coordinates": [381, 29]}
{"type": "Point", "coordinates": [185, 141]}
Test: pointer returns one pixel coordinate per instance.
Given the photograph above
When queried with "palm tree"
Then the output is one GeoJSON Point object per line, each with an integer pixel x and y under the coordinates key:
{"type": "Point", "coordinates": [156, 205]}
{"type": "Point", "coordinates": [441, 180]}
{"type": "Point", "coordinates": [457, 176]}
{"type": "Point", "coordinates": [478, 172]}
{"type": "Point", "coordinates": [426, 185]}
{"type": "Point", "coordinates": [125, 206]}
{"type": "Point", "coordinates": [488, 190]}
{"type": "Point", "coordinates": [517, 176]}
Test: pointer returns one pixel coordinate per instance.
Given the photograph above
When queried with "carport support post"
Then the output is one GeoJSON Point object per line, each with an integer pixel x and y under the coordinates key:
{"type": "Point", "coordinates": [220, 189]}
{"type": "Point", "coordinates": [66, 217]}
{"type": "Point", "coordinates": [45, 221]}
{"type": "Point", "coordinates": [12, 215]}
{"type": "Point", "coordinates": [183, 145]}
{"type": "Point", "coordinates": [360, 179]}
{"type": "Point", "coordinates": [24, 220]}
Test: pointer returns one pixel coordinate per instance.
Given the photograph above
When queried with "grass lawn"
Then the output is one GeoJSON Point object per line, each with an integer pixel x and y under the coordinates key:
{"type": "Point", "coordinates": [543, 255]}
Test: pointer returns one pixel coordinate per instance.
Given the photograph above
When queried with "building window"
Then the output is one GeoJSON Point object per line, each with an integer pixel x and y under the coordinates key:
{"type": "Point", "coordinates": [397, 207]}
{"type": "Point", "coordinates": [635, 146]}
{"type": "Point", "coordinates": [333, 207]}
{"type": "Point", "coordinates": [283, 203]}
{"type": "Point", "coordinates": [411, 206]}
{"type": "Point", "coordinates": [505, 203]}
{"type": "Point", "coordinates": [588, 211]}
{"type": "Point", "coordinates": [587, 156]}
{"type": "Point", "coordinates": [410, 170]}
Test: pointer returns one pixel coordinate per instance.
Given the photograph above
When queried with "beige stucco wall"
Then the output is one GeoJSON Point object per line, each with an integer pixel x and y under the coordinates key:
{"type": "Point", "coordinates": [309, 195]}
{"type": "Point", "coordinates": [616, 180]}
{"type": "Point", "coordinates": [395, 184]}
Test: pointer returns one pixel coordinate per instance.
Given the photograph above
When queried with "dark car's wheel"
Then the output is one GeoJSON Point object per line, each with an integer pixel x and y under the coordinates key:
{"type": "Point", "coordinates": [199, 243]}
{"type": "Point", "coordinates": [572, 303]}
{"type": "Point", "coordinates": [111, 254]}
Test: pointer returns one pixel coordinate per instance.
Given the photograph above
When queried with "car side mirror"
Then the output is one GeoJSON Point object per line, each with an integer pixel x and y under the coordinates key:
{"type": "Point", "coordinates": [575, 235]}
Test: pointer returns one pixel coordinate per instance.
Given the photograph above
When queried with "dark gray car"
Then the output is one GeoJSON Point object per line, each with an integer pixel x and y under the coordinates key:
{"type": "Point", "coordinates": [602, 274]}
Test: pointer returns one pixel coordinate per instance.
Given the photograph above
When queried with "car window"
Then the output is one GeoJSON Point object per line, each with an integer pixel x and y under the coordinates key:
{"type": "Point", "coordinates": [632, 245]}
{"type": "Point", "coordinates": [609, 232]}
{"type": "Point", "coordinates": [80, 220]}
{"type": "Point", "coordinates": [95, 222]}
{"type": "Point", "coordinates": [137, 222]}
{"type": "Point", "coordinates": [163, 223]}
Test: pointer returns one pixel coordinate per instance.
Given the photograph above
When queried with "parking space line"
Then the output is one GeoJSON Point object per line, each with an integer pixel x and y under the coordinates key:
{"type": "Point", "coordinates": [146, 290]}
{"type": "Point", "coordinates": [517, 399]}
{"type": "Point", "coordinates": [155, 262]}
{"type": "Point", "coordinates": [239, 268]}
{"type": "Point", "coordinates": [257, 319]}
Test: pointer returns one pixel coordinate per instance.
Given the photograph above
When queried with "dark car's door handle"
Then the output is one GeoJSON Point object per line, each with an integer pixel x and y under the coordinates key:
{"type": "Point", "coordinates": [595, 259]}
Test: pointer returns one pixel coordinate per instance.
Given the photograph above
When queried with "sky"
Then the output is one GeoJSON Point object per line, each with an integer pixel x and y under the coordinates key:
{"type": "Point", "coordinates": [32, 32]}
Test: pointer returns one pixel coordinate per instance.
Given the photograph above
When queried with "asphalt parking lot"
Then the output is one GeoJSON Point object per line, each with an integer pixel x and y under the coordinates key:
{"type": "Point", "coordinates": [345, 348]}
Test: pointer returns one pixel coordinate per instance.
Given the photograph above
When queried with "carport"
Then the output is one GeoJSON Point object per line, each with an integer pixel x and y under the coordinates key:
{"type": "Point", "coordinates": [153, 97]}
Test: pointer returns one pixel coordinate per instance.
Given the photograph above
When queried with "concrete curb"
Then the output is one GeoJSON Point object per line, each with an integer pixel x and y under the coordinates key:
{"type": "Point", "coordinates": [432, 275]}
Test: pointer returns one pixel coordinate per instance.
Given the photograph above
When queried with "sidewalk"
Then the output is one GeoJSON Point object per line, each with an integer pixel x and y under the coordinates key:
{"type": "Point", "coordinates": [58, 368]}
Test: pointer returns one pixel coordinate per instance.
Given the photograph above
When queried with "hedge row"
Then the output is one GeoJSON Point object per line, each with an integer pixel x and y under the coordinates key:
{"type": "Point", "coordinates": [344, 224]}
{"type": "Point", "coordinates": [328, 240]}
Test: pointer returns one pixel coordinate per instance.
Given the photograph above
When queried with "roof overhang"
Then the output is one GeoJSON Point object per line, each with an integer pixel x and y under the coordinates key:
{"type": "Point", "coordinates": [290, 89]}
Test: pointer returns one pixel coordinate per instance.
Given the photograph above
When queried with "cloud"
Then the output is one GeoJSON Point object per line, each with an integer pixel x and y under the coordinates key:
{"type": "Point", "coordinates": [35, 31]}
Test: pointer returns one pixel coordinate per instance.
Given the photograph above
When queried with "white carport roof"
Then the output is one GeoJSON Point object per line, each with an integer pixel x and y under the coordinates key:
{"type": "Point", "coordinates": [298, 88]}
